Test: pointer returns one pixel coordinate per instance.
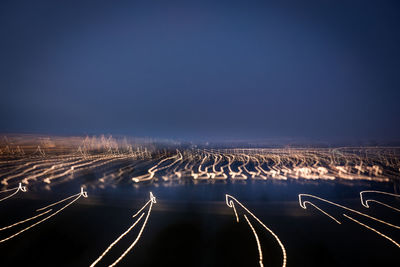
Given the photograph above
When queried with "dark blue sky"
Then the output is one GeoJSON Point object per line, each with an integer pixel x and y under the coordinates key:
{"type": "Point", "coordinates": [201, 69]}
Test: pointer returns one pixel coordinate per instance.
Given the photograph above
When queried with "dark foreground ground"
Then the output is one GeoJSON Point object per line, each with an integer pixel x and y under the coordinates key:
{"type": "Point", "coordinates": [190, 225]}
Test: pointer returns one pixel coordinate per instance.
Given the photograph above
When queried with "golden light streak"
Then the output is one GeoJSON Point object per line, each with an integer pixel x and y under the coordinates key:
{"type": "Point", "coordinates": [234, 209]}
{"type": "Point", "coordinates": [116, 241]}
{"type": "Point", "coordinates": [26, 220]}
{"type": "Point", "coordinates": [60, 159]}
{"type": "Point", "coordinates": [53, 168]}
{"type": "Point", "coordinates": [154, 169]}
{"type": "Point", "coordinates": [19, 188]}
{"type": "Point", "coordinates": [365, 203]}
{"type": "Point", "coordinates": [82, 193]}
{"type": "Point", "coordinates": [257, 240]}
{"type": "Point", "coordinates": [324, 212]}
{"type": "Point", "coordinates": [89, 165]}
{"type": "Point", "coordinates": [343, 207]}
{"type": "Point", "coordinates": [383, 204]}
{"type": "Point", "coordinates": [150, 202]}
{"type": "Point", "coordinates": [366, 226]}
{"type": "Point", "coordinates": [372, 229]}
{"type": "Point", "coordinates": [229, 204]}
{"type": "Point", "coordinates": [26, 171]}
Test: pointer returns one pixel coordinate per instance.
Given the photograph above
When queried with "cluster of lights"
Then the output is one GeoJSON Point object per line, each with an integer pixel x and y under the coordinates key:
{"type": "Point", "coordinates": [370, 164]}
{"type": "Point", "coordinates": [262, 164]}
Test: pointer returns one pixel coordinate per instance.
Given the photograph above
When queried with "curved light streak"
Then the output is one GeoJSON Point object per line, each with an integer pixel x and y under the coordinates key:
{"type": "Point", "coordinates": [257, 240]}
{"type": "Point", "coordinates": [372, 229]}
{"type": "Point", "coordinates": [365, 202]}
{"type": "Point", "coordinates": [26, 220]}
{"type": "Point", "coordinates": [19, 188]}
{"type": "Point", "coordinates": [82, 193]}
{"type": "Point", "coordinates": [351, 163]}
{"type": "Point", "coordinates": [150, 202]}
{"type": "Point", "coordinates": [343, 207]}
{"type": "Point", "coordinates": [324, 212]}
{"type": "Point", "coordinates": [303, 205]}
{"type": "Point", "coordinates": [230, 204]}
{"type": "Point", "coordinates": [152, 171]}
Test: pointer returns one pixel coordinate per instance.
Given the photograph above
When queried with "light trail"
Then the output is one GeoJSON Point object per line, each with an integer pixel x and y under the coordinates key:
{"type": "Point", "coordinates": [81, 194]}
{"type": "Point", "coordinates": [239, 173]}
{"type": "Point", "coordinates": [57, 160]}
{"type": "Point", "coordinates": [230, 204]}
{"type": "Point", "coordinates": [17, 189]}
{"type": "Point", "coordinates": [234, 209]}
{"type": "Point", "coordinates": [321, 210]}
{"type": "Point", "coordinates": [315, 164]}
{"type": "Point", "coordinates": [303, 205]}
{"type": "Point", "coordinates": [220, 175]}
{"type": "Point", "coordinates": [383, 204]}
{"type": "Point", "coordinates": [200, 175]}
{"type": "Point", "coordinates": [54, 168]}
{"type": "Point", "coordinates": [13, 170]}
{"type": "Point", "coordinates": [365, 203]}
{"type": "Point", "coordinates": [257, 240]}
{"type": "Point", "coordinates": [26, 220]}
{"type": "Point", "coordinates": [89, 165]}
{"type": "Point", "coordinates": [117, 175]}
{"type": "Point", "coordinates": [37, 165]}
{"type": "Point", "coordinates": [116, 241]}
{"type": "Point", "coordinates": [152, 171]}
{"type": "Point", "coordinates": [343, 207]}
{"type": "Point", "coordinates": [150, 202]}
{"type": "Point", "coordinates": [372, 229]}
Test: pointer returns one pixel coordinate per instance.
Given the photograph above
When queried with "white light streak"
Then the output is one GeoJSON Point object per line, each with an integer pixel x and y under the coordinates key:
{"type": "Point", "coordinates": [372, 229]}
{"type": "Point", "coordinates": [343, 207]}
{"type": "Point", "coordinates": [150, 202]}
{"type": "Point", "coordinates": [229, 203]}
{"type": "Point", "coordinates": [303, 205]}
{"type": "Point", "coordinates": [17, 189]}
{"type": "Point", "coordinates": [82, 193]}
{"type": "Point", "coordinates": [365, 203]}
{"type": "Point", "coordinates": [257, 240]}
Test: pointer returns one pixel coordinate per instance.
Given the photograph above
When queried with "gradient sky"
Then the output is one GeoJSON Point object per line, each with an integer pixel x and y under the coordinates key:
{"type": "Point", "coordinates": [201, 69]}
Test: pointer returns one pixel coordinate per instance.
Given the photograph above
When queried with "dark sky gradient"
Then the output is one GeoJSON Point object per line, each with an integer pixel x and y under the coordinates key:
{"type": "Point", "coordinates": [201, 69]}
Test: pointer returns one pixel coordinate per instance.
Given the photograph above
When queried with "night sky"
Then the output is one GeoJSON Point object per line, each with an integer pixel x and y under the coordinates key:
{"type": "Point", "coordinates": [214, 70]}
